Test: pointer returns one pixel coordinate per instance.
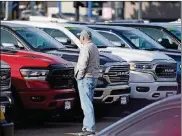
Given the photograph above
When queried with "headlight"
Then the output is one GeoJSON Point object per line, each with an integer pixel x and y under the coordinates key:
{"type": "Point", "coordinates": [180, 66]}
{"type": "Point", "coordinates": [140, 66]}
{"type": "Point", "coordinates": [34, 74]}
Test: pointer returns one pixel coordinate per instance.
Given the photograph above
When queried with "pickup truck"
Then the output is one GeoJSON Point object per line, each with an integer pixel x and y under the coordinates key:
{"type": "Point", "coordinates": [149, 83]}
{"type": "Point", "coordinates": [42, 84]}
{"type": "Point", "coordinates": [112, 85]}
{"type": "Point", "coordinates": [125, 37]}
{"type": "Point", "coordinates": [6, 101]}
{"type": "Point", "coordinates": [152, 74]}
{"type": "Point", "coordinates": [165, 34]}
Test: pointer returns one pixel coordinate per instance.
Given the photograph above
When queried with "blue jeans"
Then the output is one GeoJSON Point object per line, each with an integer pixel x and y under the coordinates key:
{"type": "Point", "coordinates": [86, 87]}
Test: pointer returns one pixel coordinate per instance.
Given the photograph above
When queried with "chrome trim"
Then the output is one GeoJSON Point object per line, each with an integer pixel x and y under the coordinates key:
{"type": "Point", "coordinates": [7, 102]}
{"type": "Point", "coordinates": [119, 65]}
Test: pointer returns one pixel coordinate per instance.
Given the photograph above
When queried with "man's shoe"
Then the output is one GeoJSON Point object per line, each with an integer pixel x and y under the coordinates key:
{"type": "Point", "coordinates": [84, 129]}
{"type": "Point", "coordinates": [87, 133]}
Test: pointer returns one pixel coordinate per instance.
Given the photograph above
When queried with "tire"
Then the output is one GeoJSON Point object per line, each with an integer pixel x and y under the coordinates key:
{"type": "Point", "coordinates": [18, 109]}
{"type": "Point", "coordinates": [20, 114]}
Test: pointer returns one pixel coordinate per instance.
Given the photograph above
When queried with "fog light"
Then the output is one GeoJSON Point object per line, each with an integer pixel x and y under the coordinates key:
{"type": "Point", "coordinates": [155, 95]}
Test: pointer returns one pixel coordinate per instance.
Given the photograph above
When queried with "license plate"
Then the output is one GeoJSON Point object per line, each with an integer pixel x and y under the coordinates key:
{"type": "Point", "coordinates": [67, 105]}
{"type": "Point", "coordinates": [123, 100]}
{"type": "Point", "coordinates": [3, 108]}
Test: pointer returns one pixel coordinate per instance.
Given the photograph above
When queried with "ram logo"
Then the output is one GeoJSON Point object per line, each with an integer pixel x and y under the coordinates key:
{"type": "Point", "coordinates": [169, 70]}
{"type": "Point", "coordinates": [122, 73]}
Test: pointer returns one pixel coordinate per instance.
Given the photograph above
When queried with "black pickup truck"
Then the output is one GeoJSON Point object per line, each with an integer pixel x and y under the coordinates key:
{"type": "Point", "coordinates": [5, 91]}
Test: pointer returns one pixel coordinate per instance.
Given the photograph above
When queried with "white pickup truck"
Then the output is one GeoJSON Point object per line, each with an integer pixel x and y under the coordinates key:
{"type": "Point", "coordinates": [152, 74]}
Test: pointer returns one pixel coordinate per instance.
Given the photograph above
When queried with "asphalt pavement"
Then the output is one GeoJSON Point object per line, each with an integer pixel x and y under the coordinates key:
{"type": "Point", "coordinates": [73, 127]}
{"type": "Point", "coordinates": [61, 128]}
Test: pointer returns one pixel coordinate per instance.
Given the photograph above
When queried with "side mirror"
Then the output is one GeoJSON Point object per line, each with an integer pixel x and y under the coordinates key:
{"type": "Point", "coordinates": [64, 41]}
{"type": "Point", "coordinates": [118, 44]}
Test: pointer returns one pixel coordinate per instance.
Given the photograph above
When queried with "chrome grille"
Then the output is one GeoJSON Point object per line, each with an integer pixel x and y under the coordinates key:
{"type": "Point", "coordinates": [5, 78]}
{"type": "Point", "coordinates": [118, 74]}
{"type": "Point", "coordinates": [166, 70]}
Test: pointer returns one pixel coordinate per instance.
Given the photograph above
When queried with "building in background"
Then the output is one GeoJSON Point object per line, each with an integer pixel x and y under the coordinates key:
{"type": "Point", "coordinates": [155, 11]}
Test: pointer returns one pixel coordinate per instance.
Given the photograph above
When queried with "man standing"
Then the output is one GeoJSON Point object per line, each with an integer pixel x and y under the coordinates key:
{"type": "Point", "coordinates": [86, 73]}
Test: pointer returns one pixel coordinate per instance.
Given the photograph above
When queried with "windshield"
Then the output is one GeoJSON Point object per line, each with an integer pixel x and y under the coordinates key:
{"type": "Point", "coordinates": [97, 38]}
{"type": "Point", "coordinates": [140, 40]}
{"type": "Point", "coordinates": [37, 39]}
{"type": "Point", "coordinates": [176, 30]}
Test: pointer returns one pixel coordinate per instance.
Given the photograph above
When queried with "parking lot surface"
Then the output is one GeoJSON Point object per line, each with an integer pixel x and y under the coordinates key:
{"type": "Point", "coordinates": [66, 128]}
{"type": "Point", "coordinates": [61, 128]}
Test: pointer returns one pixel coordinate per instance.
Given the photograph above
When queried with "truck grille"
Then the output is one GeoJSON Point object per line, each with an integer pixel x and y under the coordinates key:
{"type": "Point", "coordinates": [166, 70]}
{"type": "Point", "coordinates": [118, 74]}
{"type": "Point", "coordinates": [61, 79]}
{"type": "Point", "coordinates": [5, 78]}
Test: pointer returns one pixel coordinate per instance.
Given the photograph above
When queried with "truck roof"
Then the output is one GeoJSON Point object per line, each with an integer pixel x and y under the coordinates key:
{"type": "Point", "coordinates": [13, 24]}
{"type": "Point", "coordinates": [112, 27]}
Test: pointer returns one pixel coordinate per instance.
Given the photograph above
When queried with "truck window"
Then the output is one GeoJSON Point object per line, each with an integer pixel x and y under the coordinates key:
{"type": "Point", "coordinates": [37, 39]}
{"type": "Point", "coordinates": [8, 40]}
{"type": "Point", "coordinates": [58, 35]}
{"type": "Point", "coordinates": [113, 38]}
{"type": "Point", "coordinates": [54, 33]}
{"type": "Point", "coordinates": [161, 37]}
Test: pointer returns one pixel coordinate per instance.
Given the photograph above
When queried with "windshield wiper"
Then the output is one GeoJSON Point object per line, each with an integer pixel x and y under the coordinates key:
{"type": "Point", "coordinates": [102, 46]}
{"type": "Point", "coordinates": [48, 49]}
{"type": "Point", "coordinates": [152, 49]}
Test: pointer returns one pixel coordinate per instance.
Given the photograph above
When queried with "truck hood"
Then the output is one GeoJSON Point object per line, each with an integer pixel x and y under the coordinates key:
{"type": "Point", "coordinates": [168, 51]}
{"type": "Point", "coordinates": [4, 64]}
{"type": "Point", "coordinates": [136, 55]}
{"type": "Point", "coordinates": [72, 56]}
{"type": "Point", "coordinates": [175, 54]}
{"type": "Point", "coordinates": [50, 59]}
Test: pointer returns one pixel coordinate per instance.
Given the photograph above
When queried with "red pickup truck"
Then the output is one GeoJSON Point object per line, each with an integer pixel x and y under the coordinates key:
{"type": "Point", "coordinates": [41, 83]}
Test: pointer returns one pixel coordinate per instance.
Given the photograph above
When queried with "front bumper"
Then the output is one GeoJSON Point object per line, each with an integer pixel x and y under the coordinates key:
{"type": "Point", "coordinates": [155, 91]}
{"type": "Point", "coordinates": [111, 94]}
{"type": "Point", "coordinates": [48, 100]}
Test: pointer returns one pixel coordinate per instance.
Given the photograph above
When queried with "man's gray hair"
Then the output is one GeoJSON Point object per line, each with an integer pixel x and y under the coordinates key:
{"type": "Point", "coordinates": [86, 33]}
